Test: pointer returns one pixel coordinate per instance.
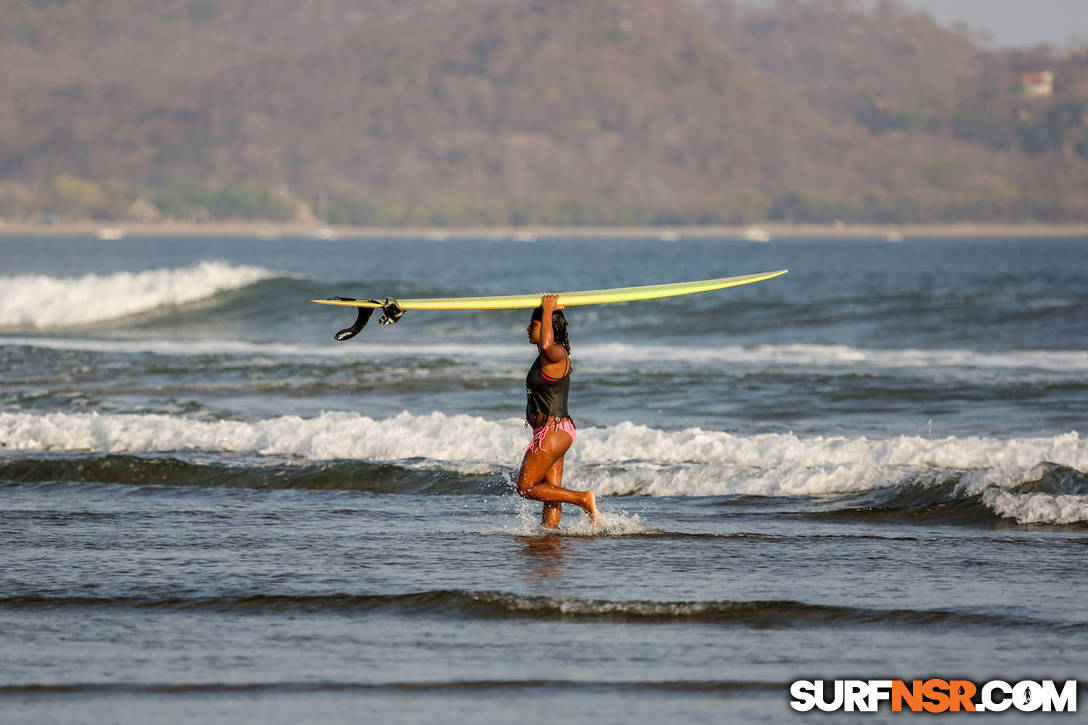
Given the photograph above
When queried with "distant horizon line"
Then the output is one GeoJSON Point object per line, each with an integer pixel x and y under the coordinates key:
{"type": "Point", "coordinates": [891, 232]}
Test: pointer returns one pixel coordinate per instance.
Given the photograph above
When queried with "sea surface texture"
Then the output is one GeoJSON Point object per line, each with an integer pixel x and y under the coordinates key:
{"type": "Point", "coordinates": [873, 467]}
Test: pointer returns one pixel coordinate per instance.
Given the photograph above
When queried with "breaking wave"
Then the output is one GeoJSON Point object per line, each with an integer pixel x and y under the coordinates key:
{"type": "Point", "coordinates": [1028, 480]}
{"type": "Point", "coordinates": [34, 301]}
{"type": "Point", "coordinates": [321, 475]}
{"type": "Point", "coordinates": [1038, 507]}
{"type": "Point", "coordinates": [483, 443]}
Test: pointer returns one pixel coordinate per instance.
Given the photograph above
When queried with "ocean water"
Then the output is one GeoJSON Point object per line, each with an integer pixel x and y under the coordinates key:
{"type": "Point", "coordinates": [873, 467]}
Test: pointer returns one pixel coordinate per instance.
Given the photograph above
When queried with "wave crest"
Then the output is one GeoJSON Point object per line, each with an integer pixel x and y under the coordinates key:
{"type": "Point", "coordinates": [1030, 480]}
{"type": "Point", "coordinates": [1037, 508]}
{"type": "Point", "coordinates": [39, 301]}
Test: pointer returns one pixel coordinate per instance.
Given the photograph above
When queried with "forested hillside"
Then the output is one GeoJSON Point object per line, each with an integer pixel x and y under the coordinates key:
{"type": "Point", "coordinates": [528, 111]}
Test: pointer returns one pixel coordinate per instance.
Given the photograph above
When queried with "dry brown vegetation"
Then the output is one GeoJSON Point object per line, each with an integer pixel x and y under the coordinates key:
{"type": "Point", "coordinates": [527, 111]}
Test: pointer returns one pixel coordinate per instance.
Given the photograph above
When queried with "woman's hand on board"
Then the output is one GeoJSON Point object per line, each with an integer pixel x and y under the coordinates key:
{"type": "Point", "coordinates": [550, 302]}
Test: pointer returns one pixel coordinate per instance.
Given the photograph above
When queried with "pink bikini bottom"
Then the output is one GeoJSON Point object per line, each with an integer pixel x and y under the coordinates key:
{"type": "Point", "coordinates": [567, 426]}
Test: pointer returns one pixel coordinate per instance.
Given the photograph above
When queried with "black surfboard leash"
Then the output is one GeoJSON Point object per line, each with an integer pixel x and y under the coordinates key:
{"type": "Point", "coordinates": [391, 312]}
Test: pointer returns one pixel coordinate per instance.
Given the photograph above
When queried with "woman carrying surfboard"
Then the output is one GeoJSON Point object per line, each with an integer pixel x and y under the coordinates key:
{"type": "Point", "coordinates": [547, 387]}
{"type": "Point", "coordinates": [548, 381]}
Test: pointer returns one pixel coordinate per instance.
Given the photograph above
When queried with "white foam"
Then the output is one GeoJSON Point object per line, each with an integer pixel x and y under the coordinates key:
{"type": "Point", "coordinates": [39, 301]}
{"type": "Point", "coordinates": [183, 347]}
{"type": "Point", "coordinates": [263, 351]}
{"type": "Point", "coordinates": [837, 356]}
{"type": "Point", "coordinates": [621, 459]}
{"type": "Point", "coordinates": [1037, 508]}
{"type": "Point", "coordinates": [611, 522]}
{"type": "Point", "coordinates": [593, 358]}
{"type": "Point", "coordinates": [436, 437]}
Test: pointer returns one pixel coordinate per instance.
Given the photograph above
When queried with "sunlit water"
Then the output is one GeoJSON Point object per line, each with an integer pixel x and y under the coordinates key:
{"type": "Point", "coordinates": [875, 466]}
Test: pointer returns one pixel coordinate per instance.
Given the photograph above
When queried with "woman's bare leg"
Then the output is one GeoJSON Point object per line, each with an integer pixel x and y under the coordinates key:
{"type": "Point", "coordinates": [532, 479]}
{"type": "Point", "coordinates": [553, 510]}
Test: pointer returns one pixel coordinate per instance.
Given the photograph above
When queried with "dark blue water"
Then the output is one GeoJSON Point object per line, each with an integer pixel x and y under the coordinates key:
{"type": "Point", "coordinates": [871, 467]}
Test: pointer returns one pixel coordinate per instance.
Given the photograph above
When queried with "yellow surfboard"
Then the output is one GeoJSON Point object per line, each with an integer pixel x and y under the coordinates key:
{"type": "Point", "coordinates": [566, 299]}
{"type": "Point", "coordinates": [394, 308]}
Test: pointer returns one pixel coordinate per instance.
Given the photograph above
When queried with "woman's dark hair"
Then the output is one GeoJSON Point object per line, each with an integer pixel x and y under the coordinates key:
{"type": "Point", "coordinates": [559, 326]}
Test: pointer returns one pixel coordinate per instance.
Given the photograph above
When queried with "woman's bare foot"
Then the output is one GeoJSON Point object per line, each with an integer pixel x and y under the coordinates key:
{"type": "Point", "coordinates": [591, 509]}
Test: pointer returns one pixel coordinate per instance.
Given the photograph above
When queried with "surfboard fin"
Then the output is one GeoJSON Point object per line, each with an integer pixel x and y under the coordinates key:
{"type": "Point", "coordinates": [391, 312]}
